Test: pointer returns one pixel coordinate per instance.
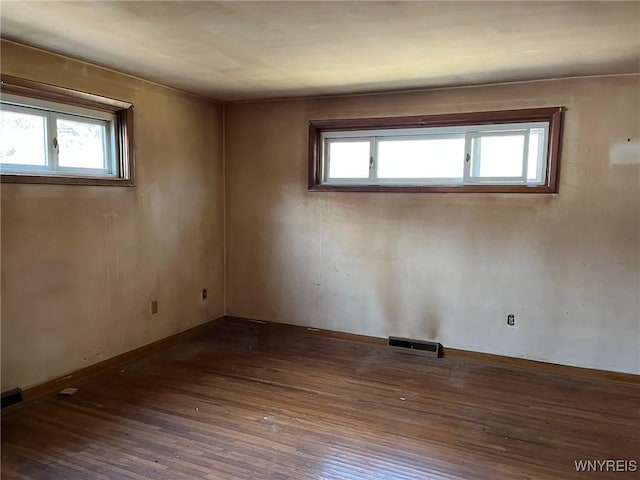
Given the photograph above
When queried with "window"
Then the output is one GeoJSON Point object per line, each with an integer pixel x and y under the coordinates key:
{"type": "Point", "coordinates": [54, 135]}
{"type": "Point", "coordinates": [510, 151]}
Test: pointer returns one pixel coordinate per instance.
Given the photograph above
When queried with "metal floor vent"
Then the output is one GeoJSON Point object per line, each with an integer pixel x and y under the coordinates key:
{"type": "Point", "coordinates": [415, 347]}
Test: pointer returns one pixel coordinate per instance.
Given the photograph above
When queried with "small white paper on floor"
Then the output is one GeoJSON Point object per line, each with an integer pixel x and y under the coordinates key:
{"type": "Point", "coordinates": [68, 391]}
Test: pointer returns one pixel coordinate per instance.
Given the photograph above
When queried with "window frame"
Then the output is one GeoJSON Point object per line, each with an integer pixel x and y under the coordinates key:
{"type": "Point", "coordinates": [550, 177]}
{"type": "Point", "coordinates": [62, 103]}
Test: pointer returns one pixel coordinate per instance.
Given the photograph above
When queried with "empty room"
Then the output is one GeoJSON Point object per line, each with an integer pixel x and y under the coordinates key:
{"type": "Point", "coordinates": [359, 240]}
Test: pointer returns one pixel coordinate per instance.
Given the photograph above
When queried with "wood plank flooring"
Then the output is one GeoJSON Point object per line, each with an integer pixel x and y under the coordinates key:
{"type": "Point", "coordinates": [251, 401]}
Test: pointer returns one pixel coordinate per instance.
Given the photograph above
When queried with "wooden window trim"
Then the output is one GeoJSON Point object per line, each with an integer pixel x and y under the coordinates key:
{"type": "Point", "coordinates": [123, 127]}
{"type": "Point", "coordinates": [553, 115]}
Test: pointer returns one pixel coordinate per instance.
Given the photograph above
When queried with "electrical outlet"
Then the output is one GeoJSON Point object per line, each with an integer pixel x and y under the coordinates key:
{"type": "Point", "coordinates": [204, 293]}
{"type": "Point", "coordinates": [511, 319]}
{"type": "Point", "coordinates": [154, 307]}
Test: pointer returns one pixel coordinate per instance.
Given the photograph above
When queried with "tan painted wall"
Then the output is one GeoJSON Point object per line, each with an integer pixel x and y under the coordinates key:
{"type": "Point", "coordinates": [81, 264]}
{"type": "Point", "coordinates": [447, 267]}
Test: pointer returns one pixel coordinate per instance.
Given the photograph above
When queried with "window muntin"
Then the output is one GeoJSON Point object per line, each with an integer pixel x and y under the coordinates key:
{"type": "Point", "coordinates": [51, 134]}
{"type": "Point", "coordinates": [422, 153]}
{"type": "Point", "coordinates": [467, 155]}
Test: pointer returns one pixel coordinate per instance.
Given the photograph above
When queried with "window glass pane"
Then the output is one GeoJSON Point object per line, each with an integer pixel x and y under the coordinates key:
{"type": "Point", "coordinates": [430, 158]}
{"type": "Point", "coordinates": [22, 138]}
{"type": "Point", "coordinates": [81, 145]}
{"type": "Point", "coordinates": [349, 159]}
{"type": "Point", "coordinates": [535, 154]}
{"type": "Point", "coordinates": [498, 156]}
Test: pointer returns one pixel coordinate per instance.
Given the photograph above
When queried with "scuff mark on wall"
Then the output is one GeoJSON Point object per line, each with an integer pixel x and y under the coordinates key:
{"type": "Point", "coordinates": [111, 258]}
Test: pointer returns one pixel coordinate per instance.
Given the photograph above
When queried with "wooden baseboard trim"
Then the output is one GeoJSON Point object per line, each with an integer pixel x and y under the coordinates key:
{"type": "Point", "coordinates": [542, 366]}
{"type": "Point", "coordinates": [67, 380]}
{"type": "Point", "coordinates": [317, 331]}
{"type": "Point", "coordinates": [57, 384]}
{"type": "Point", "coordinates": [465, 354]}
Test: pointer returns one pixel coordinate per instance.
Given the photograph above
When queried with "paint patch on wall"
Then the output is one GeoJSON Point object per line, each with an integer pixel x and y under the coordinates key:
{"type": "Point", "coordinates": [625, 153]}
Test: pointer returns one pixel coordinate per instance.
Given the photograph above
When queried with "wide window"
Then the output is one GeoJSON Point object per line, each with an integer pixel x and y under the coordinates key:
{"type": "Point", "coordinates": [512, 151]}
{"type": "Point", "coordinates": [54, 135]}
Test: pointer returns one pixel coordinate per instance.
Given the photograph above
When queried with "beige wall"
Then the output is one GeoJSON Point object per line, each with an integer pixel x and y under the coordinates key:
{"type": "Point", "coordinates": [81, 264]}
{"type": "Point", "coordinates": [448, 267]}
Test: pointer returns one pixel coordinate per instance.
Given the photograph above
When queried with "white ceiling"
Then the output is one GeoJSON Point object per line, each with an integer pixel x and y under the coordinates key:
{"type": "Point", "coordinates": [251, 50]}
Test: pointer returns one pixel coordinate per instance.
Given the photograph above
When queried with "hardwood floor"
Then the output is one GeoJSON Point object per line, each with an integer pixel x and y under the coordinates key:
{"type": "Point", "coordinates": [251, 401]}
